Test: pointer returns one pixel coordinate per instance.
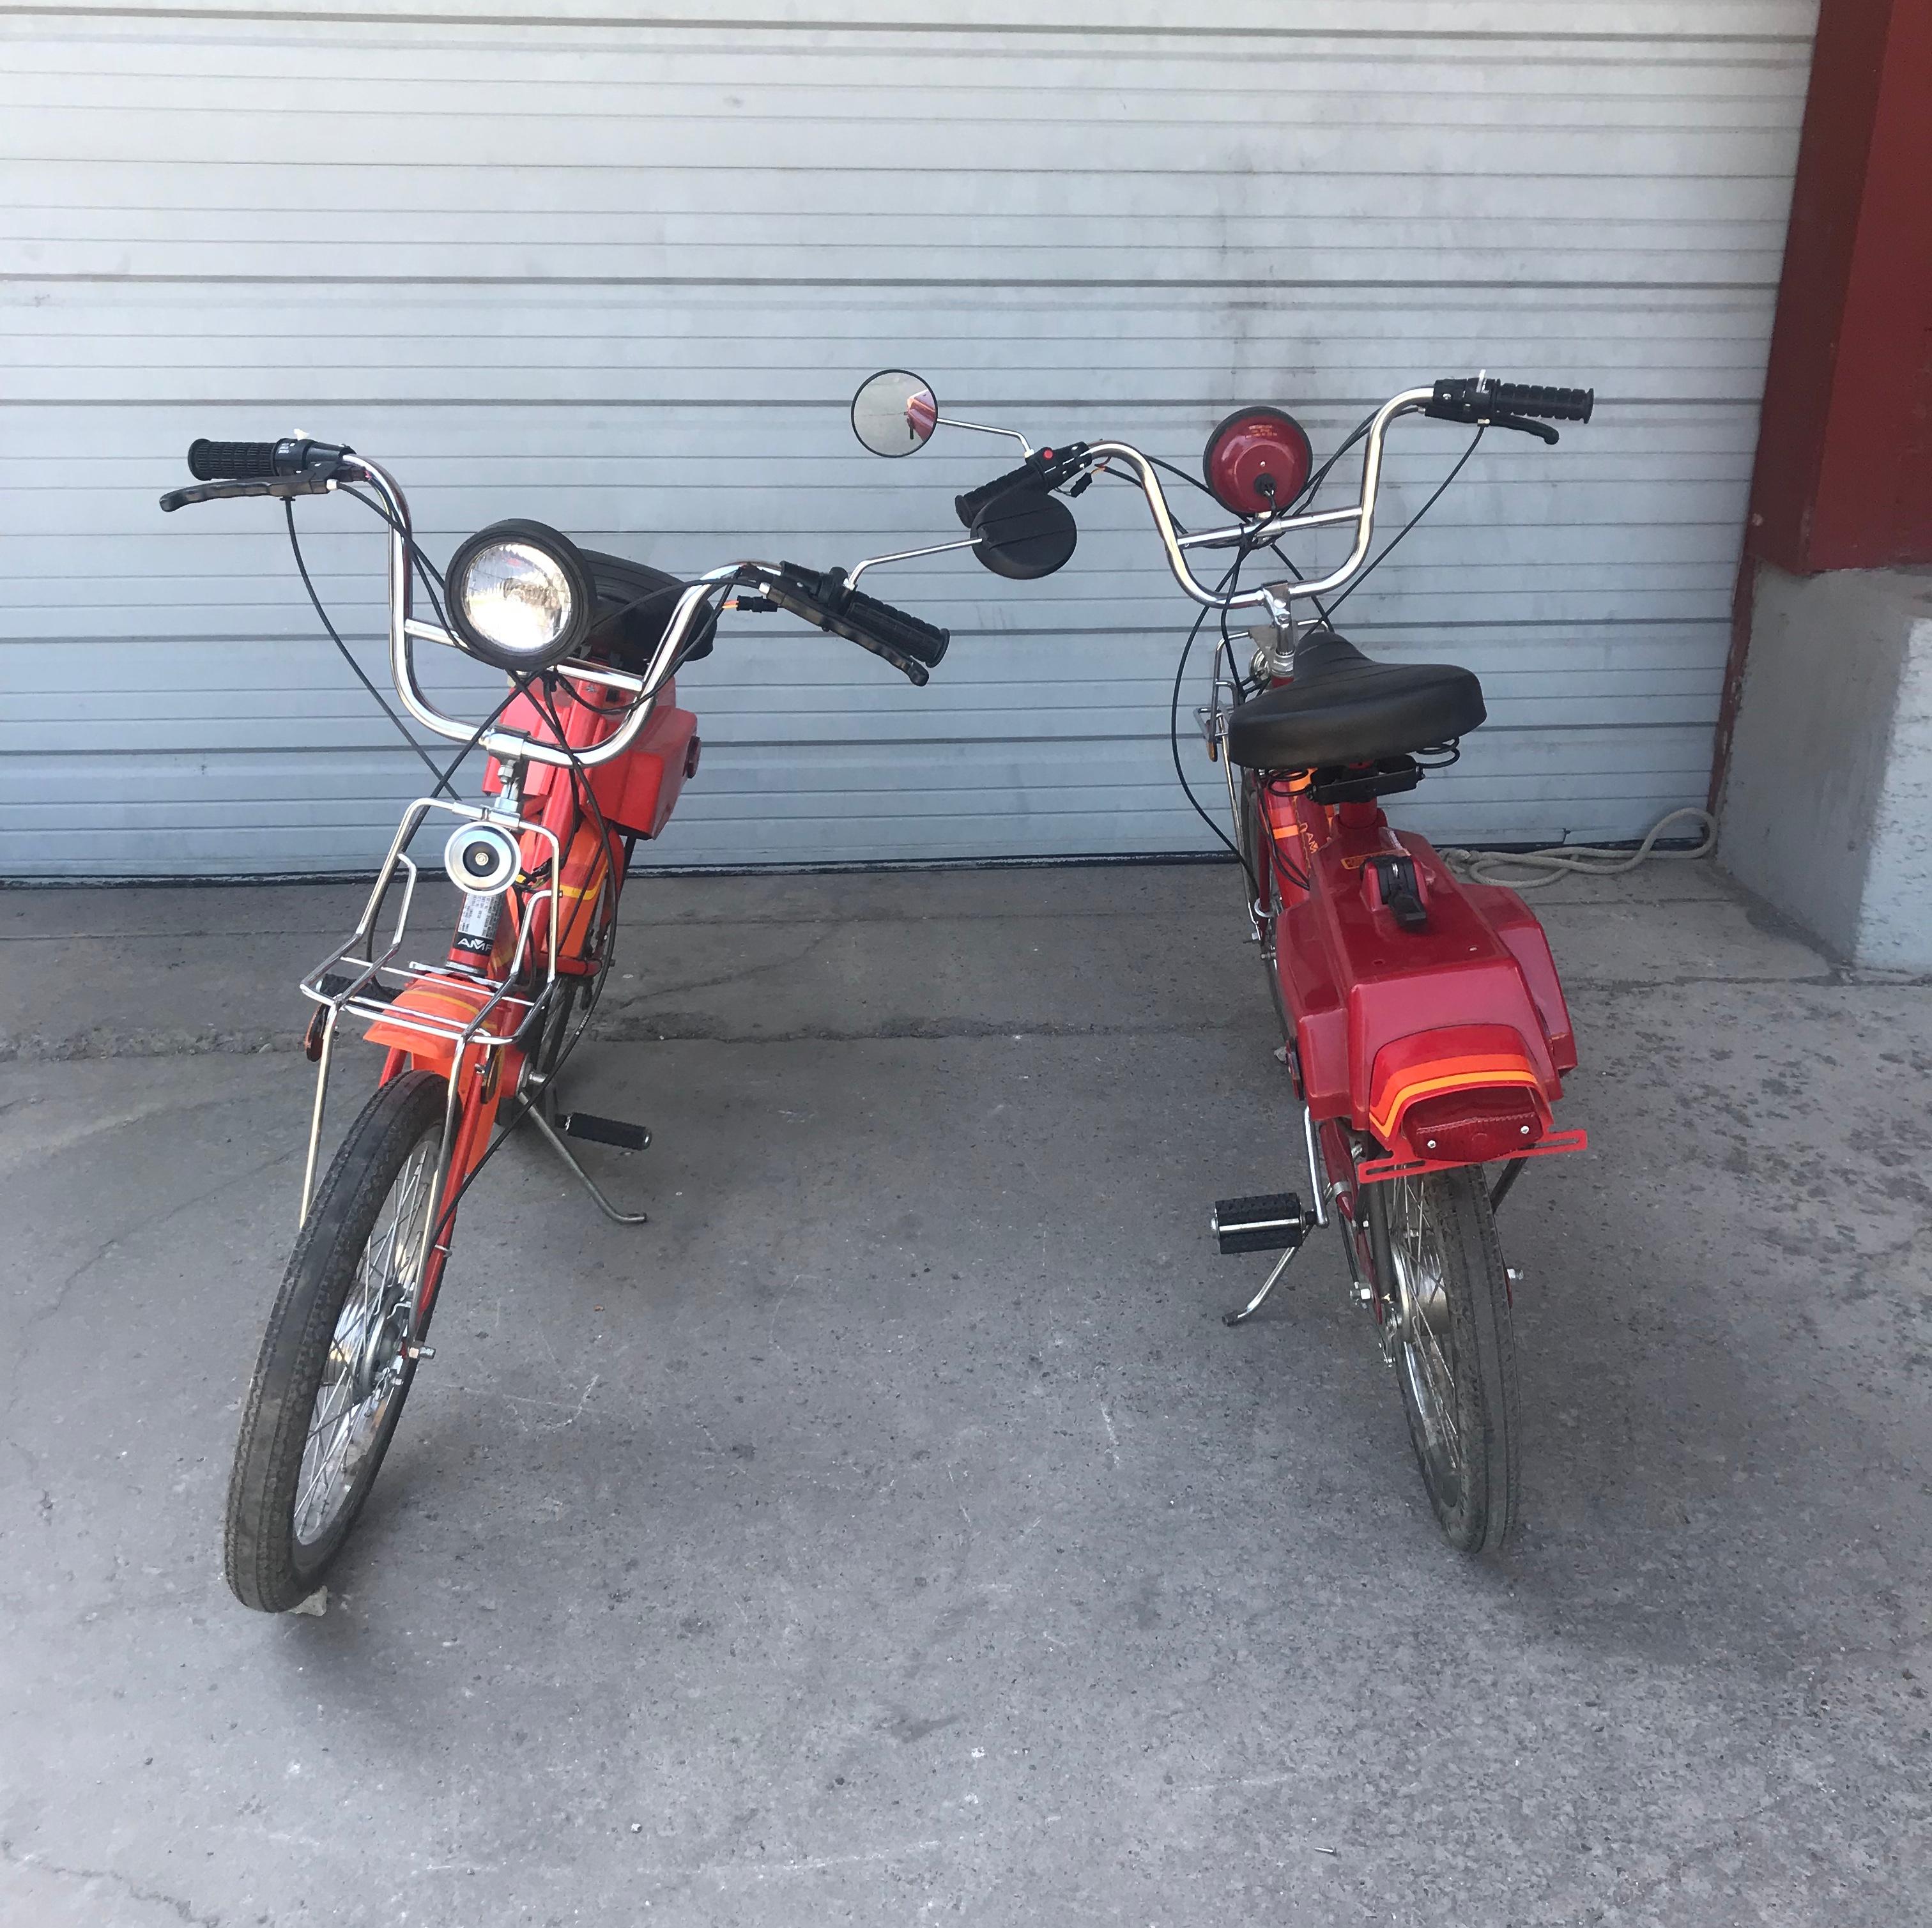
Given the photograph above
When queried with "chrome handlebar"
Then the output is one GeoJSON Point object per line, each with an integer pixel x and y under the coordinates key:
{"type": "Point", "coordinates": [406, 630]}
{"type": "Point", "coordinates": [1276, 596]}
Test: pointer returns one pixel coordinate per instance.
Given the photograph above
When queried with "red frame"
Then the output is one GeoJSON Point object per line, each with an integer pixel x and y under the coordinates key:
{"type": "Point", "coordinates": [636, 792]}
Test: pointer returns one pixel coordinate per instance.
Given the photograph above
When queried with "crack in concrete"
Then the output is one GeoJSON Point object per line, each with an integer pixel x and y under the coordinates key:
{"type": "Point", "coordinates": [51, 1308]}
{"type": "Point", "coordinates": [622, 1025]}
{"type": "Point", "coordinates": [181, 1909]}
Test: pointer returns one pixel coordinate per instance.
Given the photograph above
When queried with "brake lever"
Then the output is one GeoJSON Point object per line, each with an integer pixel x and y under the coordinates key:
{"type": "Point", "coordinates": [1527, 424]}
{"type": "Point", "coordinates": [283, 487]}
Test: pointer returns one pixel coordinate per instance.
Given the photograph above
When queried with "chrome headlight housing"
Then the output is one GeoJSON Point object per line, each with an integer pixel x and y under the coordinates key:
{"type": "Point", "coordinates": [520, 596]}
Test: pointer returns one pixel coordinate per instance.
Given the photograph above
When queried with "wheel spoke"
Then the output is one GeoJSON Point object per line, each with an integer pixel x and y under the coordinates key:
{"type": "Point", "coordinates": [1422, 1306]}
{"type": "Point", "coordinates": [340, 1423]}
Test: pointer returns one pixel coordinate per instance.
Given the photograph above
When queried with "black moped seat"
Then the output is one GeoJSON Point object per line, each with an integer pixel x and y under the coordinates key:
{"type": "Point", "coordinates": [1343, 708]}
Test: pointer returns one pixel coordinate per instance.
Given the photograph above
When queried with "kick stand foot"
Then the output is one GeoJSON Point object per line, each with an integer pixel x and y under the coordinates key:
{"type": "Point", "coordinates": [1268, 1284]}
{"type": "Point", "coordinates": [583, 1177]}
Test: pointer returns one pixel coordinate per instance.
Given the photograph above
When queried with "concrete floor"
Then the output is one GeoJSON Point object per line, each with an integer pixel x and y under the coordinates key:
{"type": "Point", "coordinates": [891, 1531]}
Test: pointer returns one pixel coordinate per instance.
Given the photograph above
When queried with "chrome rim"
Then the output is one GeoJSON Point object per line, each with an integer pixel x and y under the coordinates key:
{"type": "Point", "coordinates": [1426, 1343]}
{"type": "Point", "coordinates": [364, 1371]}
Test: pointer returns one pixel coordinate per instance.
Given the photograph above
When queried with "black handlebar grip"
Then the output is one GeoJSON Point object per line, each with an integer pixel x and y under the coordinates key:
{"type": "Point", "coordinates": [1547, 404]}
{"type": "Point", "coordinates": [823, 600]}
{"type": "Point", "coordinates": [905, 632]}
{"type": "Point", "coordinates": [968, 506]}
{"type": "Point", "coordinates": [253, 461]}
{"type": "Point", "coordinates": [231, 461]}
{"type": "Point", "coordinates": [1462, 398]}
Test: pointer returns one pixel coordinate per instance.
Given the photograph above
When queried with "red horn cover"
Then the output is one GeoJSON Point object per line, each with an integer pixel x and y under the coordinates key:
{"type": "Point", "coordinates": [1253, 449]}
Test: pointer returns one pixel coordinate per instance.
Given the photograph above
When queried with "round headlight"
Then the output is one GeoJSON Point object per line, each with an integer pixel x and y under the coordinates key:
{"type": "Point", "coordinates": [520, 596]}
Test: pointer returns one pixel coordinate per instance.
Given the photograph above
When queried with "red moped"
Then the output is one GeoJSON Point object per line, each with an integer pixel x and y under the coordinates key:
{"type": "Point", "coordinates": [586, 753]}
{"type": "Point", "coordinates": [1424, 1026]}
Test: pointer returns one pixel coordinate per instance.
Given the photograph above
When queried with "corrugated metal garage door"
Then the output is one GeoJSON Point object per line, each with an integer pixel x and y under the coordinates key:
{"type": "Point", "coordinates": [622, 275]}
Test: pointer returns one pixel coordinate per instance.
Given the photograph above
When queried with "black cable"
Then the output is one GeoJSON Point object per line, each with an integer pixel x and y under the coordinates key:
{"type": "Point", "coordinates": [430, 575]}
{"type": "Point", "coordinates": [1279, 863]}
{"type": "Point", "coordinates": [348, 656]}
{"type": "Point", "coordinates": [1308, 489]}
{"type": "Point", "coordinates": [1232, 576]}
{"type": "Point", "coordinates": [1411, 522]}
{"type": "Point", "coordinates": [1288, 564]}
{"type": "Point", "coordinates": [1193, 481]}
{"type": "Point", "coordinates": [519, 684]}
{"type": "Point", "coordinates": [1132, 482]}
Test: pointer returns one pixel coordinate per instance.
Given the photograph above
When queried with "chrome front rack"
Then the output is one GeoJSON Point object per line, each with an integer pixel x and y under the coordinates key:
{"type": "Point", "coordinates": [364, 977]}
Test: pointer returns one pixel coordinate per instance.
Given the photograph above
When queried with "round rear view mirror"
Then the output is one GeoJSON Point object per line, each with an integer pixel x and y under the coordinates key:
{"type": "Point", "coordinates": [894, 412]}
{"type": "Point", "coordinates": [1024, 533]}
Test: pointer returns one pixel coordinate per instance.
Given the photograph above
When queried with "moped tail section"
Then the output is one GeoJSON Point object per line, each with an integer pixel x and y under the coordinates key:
{"type": "Point", "coordinates": [1427, 1012]}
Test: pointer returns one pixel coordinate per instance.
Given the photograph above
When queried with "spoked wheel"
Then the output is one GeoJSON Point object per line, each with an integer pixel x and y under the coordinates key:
{"type": "Point", "coordinates": [1446, 1298]}
{"type": "Point", "coordinates": [332, 1376]}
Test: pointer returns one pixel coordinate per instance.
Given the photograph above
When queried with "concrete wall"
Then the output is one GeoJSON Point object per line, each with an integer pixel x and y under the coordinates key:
{"type": "Point", "coordinates": [1827, 812]}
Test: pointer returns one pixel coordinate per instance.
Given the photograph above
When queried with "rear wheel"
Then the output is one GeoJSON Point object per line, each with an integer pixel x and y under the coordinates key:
{"type": "Point", "coordinates": [1445, 1294]}
{"type": "Point", "coordinates": [332, 1375]}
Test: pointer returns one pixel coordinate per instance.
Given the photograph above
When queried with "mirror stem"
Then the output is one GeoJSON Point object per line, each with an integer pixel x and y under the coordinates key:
{"type": "Point", "coordinates": [907, 556]}
{"type": "Point", "coordinates": [984, 428]}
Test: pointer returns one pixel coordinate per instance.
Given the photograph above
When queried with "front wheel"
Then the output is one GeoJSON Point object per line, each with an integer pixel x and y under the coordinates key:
{"type": "Point", "coordinates": [1445, 1294]}
{"type": "Point", "coordinates": [333, 1373]}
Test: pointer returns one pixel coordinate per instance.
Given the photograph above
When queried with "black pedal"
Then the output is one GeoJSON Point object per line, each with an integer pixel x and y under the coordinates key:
{"type": "Point", "coordinates": [604, 1130]}
{"type": "Point", "coordinates": [1273, 1222]}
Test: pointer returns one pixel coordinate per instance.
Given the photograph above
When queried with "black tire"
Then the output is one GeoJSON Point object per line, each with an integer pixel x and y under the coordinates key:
{"type": "Point", "coordinates": [1439, 1271]}
{"type": "Point", "coordinates": [270, 1565]}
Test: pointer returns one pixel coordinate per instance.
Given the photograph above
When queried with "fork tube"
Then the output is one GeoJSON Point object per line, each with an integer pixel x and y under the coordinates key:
{"type": "Point", "coordinates": [315, 1115]}
{"type": "Point", "coordinates": [446, 1167]}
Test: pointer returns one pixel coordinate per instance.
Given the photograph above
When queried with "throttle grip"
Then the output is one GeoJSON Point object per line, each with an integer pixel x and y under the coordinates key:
{"type": "Point", "coordinates": [230, 461]}
{"type": "Point", "coordinates": [825, 600]}
{"type": "Point", "coordinates": [1045, 469]}
{"type": "Point", "coordinates": [252, 461]}
{"type": "Point", "coordinates": [1464, 398]}
{"type": "Point", "coordinates": [968, 506]}
{"type": "Point", "coordinates": [924, 642]}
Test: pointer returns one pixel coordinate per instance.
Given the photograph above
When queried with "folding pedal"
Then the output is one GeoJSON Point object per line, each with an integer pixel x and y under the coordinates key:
{"type": "Point", "coordinates": [1273, 1222]}
{"type": "Point", "coordinates": [597, 1131]}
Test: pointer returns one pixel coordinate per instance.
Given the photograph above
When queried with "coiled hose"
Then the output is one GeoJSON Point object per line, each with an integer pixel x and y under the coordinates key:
{"type": "Point", "coordinates": [1534, 868]}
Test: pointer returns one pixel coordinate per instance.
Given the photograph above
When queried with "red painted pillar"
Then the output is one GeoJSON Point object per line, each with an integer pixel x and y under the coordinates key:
{"type": "Point", "coordinates": [1844, 475]}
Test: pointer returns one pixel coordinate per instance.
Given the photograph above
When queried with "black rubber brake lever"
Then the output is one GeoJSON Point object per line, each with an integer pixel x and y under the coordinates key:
{"type": "Point", "coordinates": [281, 486]}
{"type": "Point", "coordinates": [1523, 422]}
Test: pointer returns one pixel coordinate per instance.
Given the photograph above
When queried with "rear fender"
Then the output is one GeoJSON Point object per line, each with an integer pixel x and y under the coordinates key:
{"type": "Point", "coordinates": [1386, 1017]}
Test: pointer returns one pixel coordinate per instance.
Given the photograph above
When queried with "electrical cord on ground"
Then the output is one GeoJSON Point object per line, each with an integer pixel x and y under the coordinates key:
{"type": "Point", "coordinates": [1562, 860]}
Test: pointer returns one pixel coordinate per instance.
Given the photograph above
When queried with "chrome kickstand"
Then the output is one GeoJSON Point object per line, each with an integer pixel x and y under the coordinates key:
{"type": "Point", "coordinates": [554, 1140]}
{"type": "Point", "coordinates": [1268, 1284]}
